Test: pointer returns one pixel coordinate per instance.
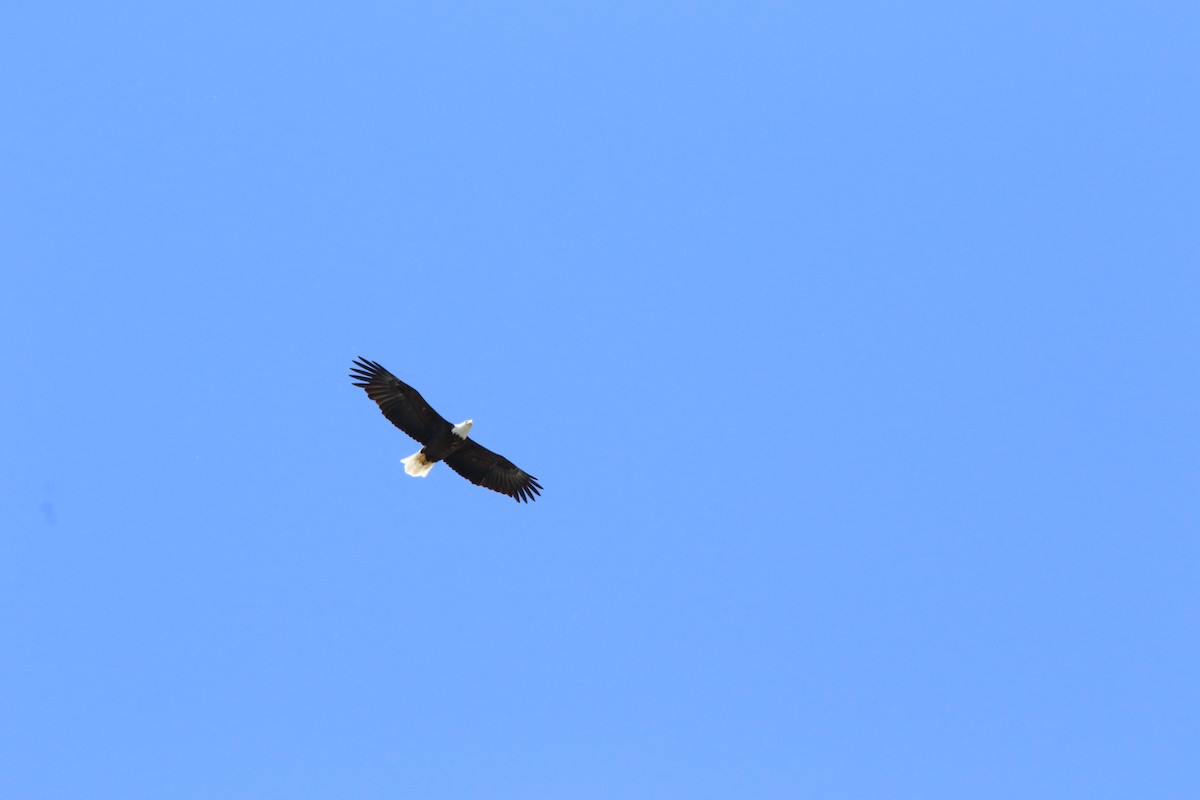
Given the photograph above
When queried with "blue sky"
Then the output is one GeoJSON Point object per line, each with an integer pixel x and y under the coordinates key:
{"type": "Point", "coordinates": [854, 344]}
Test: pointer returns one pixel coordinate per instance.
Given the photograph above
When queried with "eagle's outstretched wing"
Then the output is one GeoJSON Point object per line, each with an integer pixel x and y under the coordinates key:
{"type": "Point", "coordinates": [398, 401]}
{"type": "Point", "coordinates": [484, 468]}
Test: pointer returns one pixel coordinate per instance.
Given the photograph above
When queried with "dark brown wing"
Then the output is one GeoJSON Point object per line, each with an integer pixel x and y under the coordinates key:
{"type": "Point", "coordinates": [484, 468]}
{"type": "Point", "coordinates": [398, 401]}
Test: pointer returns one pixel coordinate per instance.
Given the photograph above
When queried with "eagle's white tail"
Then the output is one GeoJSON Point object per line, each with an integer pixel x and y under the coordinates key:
{"type": "Point", "coordinates": [417, 465]}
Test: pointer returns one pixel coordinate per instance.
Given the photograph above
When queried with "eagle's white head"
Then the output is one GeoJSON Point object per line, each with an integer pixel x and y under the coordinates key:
{"type": "Point", "coordinates": [462, 429]}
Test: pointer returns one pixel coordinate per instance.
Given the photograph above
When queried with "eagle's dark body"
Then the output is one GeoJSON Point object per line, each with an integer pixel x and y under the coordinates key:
{"type": "Point", "coordinates": [442, 444]}
{"type": "Point", "coordinates": [408, 411]}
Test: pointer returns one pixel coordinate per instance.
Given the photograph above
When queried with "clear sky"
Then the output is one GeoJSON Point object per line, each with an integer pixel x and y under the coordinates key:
{"type": "Point", "coordinates": [855, 345]}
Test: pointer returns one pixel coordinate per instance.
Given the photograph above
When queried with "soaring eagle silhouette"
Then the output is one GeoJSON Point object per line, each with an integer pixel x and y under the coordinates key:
{"type": "Point", "coordinates": [409, 412]}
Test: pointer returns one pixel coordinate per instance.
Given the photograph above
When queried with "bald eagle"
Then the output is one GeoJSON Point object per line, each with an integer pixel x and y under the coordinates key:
{"type": "Point", "coordinates": [409, 412]}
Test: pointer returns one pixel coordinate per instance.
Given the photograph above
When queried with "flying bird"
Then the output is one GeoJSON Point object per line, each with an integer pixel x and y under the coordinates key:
{"type": "Point", "coordinates": [409, 412]}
